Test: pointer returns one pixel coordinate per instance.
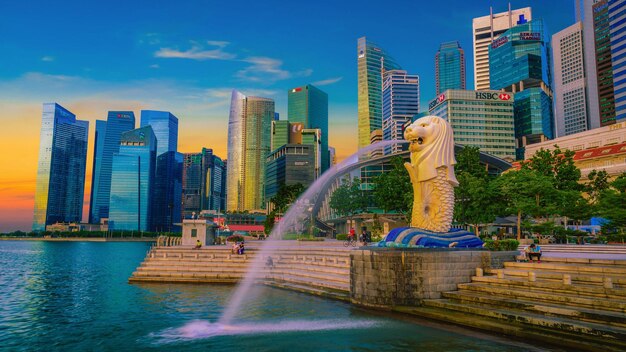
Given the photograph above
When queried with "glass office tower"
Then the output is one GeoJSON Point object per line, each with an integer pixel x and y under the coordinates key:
{"type": "Point", "coordinates": [204, 182]}
{"type": "Point", "coordinates": [617, 18]}
{"type": "Point", "coordinates": [309, 105]}
{"type": "Point", "coordinates": [61, 167]}
{"type": "Point", "coordinates": [169, 170]}
{"type": "Point", "coordinates": [132, 181]}
{"type": "Point", "coordinates": [107, 143]}
{"type": "Point", "coordinates": [401, 100]}
{"type": "Point", "coordinates": [371, 59]}
{"type": "Point", "coordinates": [249, 139]}
{"type": "Point", "coordinates": [519, 63]}
{"type": "Point", "coordinates": [449, 67]}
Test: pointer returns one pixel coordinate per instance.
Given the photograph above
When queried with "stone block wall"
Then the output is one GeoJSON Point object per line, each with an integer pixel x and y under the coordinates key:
{"type": "Point", "coordinates": [386, 277]}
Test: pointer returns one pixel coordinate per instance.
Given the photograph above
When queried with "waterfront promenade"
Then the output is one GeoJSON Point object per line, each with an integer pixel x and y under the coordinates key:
{"type": "Point", "coordinates": [576, 297]}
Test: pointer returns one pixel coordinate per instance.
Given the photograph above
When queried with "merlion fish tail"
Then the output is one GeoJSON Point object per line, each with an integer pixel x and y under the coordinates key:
{"type": "Point", "coordinates": [433, 204]}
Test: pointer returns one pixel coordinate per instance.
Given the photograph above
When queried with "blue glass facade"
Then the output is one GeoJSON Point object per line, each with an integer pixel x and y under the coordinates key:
{"type": "Point", "coordinates": [204, 182]}
{"type": "Point", "coordinates": [449, 67]}
{"type": "Point", "coordinates": [61, 167]}
{"type": "Point", "coordinates": [168, 190]}
{"type": "Point", "coordinates": [401, 98]}
{"type": "Point", "coordinates": [309, 105]}
{"type": "Point", "coordinates": [107, 141]}
{"type": "Point", "coordinates": [132, 181]}
{"type": "Point", "coordinates": [519, 62]}
{"type": "Point", "coordinates": [617, 19]}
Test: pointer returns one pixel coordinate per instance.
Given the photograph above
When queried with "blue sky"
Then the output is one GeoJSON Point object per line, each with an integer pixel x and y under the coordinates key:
{"type": "Point", "coordinates": [186, 56]}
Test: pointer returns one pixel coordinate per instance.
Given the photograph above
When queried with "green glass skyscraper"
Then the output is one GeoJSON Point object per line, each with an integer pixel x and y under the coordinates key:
{"type": "Point", "coordinates": [370, 61]}
{"type": "Point", "coordinates": [308, 105]}
{"type": "Point", "coordinates": [449, 67]}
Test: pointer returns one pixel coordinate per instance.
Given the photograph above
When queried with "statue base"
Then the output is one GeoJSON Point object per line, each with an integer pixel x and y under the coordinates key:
{"type": "Point", "coordinates": [403, 237]}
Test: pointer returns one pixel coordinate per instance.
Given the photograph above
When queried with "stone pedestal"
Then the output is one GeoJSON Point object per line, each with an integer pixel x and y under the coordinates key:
{"type": "Point", "coordinates": [386, 277]}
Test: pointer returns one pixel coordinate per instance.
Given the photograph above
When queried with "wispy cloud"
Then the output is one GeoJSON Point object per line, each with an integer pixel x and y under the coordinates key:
{"type": "Point", "coordinates": [47, 58]}
{"type": "Point", "coordinates": [260, 68]}
{"type": "Point", "coordinates": [198, 52]}
{"type": "Point", "coordinates": [268, 70]}
{"type": "Point", "coordinates": [328, 81]}
{"type": "Point", "coordinates": [154, 66]}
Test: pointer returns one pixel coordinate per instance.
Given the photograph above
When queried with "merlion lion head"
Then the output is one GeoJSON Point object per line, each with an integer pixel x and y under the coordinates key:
{"type": "Point", "coordinates": [431, 147]}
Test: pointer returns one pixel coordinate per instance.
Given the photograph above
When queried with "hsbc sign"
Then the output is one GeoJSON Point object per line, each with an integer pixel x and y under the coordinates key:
{"type": "Point", "coordinates": [492, 96]}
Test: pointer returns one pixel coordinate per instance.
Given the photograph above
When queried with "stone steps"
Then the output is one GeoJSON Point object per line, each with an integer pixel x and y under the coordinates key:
{"type": "Point", "coordinates": [324, 292]}
{"type": "Point", "coordinates": [570, 267]}
{"type": "Point", "coordinates": [312, 282]}
{"type": "Point", "coordinates": [547, 296]}
{"type": "Point", "coordinates": [525, 323]}
{"type": "Point", "coordinates": [557, 275]}
{"type": "Point", "coordinates": [554, 287]}
{"type": "Point", "coordinates": [539, 307]}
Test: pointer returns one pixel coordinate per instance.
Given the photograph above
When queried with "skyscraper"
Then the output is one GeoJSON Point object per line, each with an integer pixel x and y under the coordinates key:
{"type": "Point", "coordinates": [482, 119]}
{"type": "Point", "coordinates": [570, 95]}
{"type": "Point", "coordinates": [107, 143]}
{"type": "Point", "coordinates": [289, 165]}
{"type": "Point", "coordinates": [169, 169]}
{"type": "Point", "coordinates": [309, 105]}
{"type": "Point", "coordinates": [601, 92]}
{"type": "Point", "coordinates": [401, 100]}
{"type": "Point", "coordinates": [370, 109]}
{"type": "Point", "coordinates": [519, 63]}
{"type": "Point", "coordinates": [486, 29]}
{"type": "Point", "coordinates": [249, 135]}
{"type": "Point", "coordinates": [617, 17]}
{"type": "Point", "coordinates": [204, 182]}
{"type": "Point", "coordinates": [449, 67]}
{"type": "Point", "coordinates": [280, 133]}
{"type": "Point", "coordinates": [132, 181]}
{"type": "Point", "coordinates": [61, 167]}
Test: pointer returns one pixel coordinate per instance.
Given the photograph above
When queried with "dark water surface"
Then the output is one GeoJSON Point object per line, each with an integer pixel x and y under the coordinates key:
{"type": "Point", "coordinates": [74, 296]}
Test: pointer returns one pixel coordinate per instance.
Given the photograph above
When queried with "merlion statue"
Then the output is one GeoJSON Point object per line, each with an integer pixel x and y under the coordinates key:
{"type": "Point", "coordinates": [432, 173]}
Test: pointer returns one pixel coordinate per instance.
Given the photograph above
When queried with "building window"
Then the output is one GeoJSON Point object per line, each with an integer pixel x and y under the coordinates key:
{"type": "Point", "coordinates": [194, 232]}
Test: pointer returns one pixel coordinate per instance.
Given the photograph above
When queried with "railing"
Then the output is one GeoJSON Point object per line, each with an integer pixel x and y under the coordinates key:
{"type": "Point", "coordinates": [168, 241]}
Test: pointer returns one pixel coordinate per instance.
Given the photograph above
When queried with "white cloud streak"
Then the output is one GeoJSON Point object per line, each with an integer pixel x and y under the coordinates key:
{"type": "Point", "coordinates": [328, 81]}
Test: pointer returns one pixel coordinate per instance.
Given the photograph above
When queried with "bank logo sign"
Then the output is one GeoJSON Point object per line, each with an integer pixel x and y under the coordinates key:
{"type": "Point", "coordinates": [492, 96]}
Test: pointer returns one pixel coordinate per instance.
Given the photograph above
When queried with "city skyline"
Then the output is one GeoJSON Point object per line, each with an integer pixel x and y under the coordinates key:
{"type": "Point", "coordinates": [191, 70]}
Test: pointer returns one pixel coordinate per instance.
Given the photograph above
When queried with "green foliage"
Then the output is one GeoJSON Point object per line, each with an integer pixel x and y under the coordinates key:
{"type": "Point", "coordinates": [393, 190]}
{"type": "Point", "coordinates": [341, 236]}
{"type": "Point", "coordinates": [612, 205]}
{"type": "Point", "coordinates": [598, 183]}
{"type": "Point", "coordinates": [475, 195]}
{"type": "Point", "coordinates": [558, 164]}
{"type": "Point", "coordinates": [348, 199]}
{"type": "Point", "coordinates": [286, 195]}
{"type": "Point", "coordinates": [501, 245]}
{"type": "Point", "coordinates": [311, 239]}
{"type": "Point", "coordinates": [525, 191]}
{"type": "Point", "coordinates": [268, 224]}
{"type": "Point", "coordinates": [235, 238]}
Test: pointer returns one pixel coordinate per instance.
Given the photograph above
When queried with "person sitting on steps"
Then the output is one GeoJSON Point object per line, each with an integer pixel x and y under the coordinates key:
{"type": "Point", "coordinates": [198, 245]}
{"type": "Point", "coordinates": [534, 251]}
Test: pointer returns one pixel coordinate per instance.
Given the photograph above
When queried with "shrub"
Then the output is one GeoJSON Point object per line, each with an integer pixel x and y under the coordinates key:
{"type": "Point", "coordinates": [501, 245]}
{"type": "Point", "coordinates": [341, 236]}
{"type": "Point", "coordinates": [234, 238]}
{"type": "Point", "coordinates": [313, 239]}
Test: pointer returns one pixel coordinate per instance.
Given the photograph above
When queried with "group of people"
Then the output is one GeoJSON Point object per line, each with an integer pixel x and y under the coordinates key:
{"type": "Point", "coordinates": [364, 237]}
{"type": "Point", "coordinates": [533, 251]}
{"type": "Point", "coordinates": [238, 248]}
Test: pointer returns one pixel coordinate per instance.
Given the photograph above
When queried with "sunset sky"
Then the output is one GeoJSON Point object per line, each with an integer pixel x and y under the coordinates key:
{"type": "Point", "coordinates": [187, 56]}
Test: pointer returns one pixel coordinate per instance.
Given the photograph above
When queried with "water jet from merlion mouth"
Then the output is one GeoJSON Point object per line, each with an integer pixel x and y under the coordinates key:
{"type": "Point", "coordinates": [295, 215]}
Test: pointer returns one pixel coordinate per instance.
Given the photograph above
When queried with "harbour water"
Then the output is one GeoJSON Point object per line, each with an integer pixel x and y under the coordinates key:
{"type": "Point", "coordinates": [74, 296]}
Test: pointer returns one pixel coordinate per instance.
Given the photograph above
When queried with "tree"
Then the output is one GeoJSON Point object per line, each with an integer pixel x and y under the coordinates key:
{"type": "Point", "coordinates": [286, 195]}
{"type": "Point", "coordinates": [348, 199]}
{"type": "Point", "coordinates": [612, 203]}
{"type": "Point", "coordinates": [558, 164]}
{"type": "Point", "coordinates": [393, 190]}
{"type": "Point", "coordinates": [598, 183]}
{"type": "Point", "coordinates": [475, 199]}
{"type": "Point", "coordinates": [525, 192]}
